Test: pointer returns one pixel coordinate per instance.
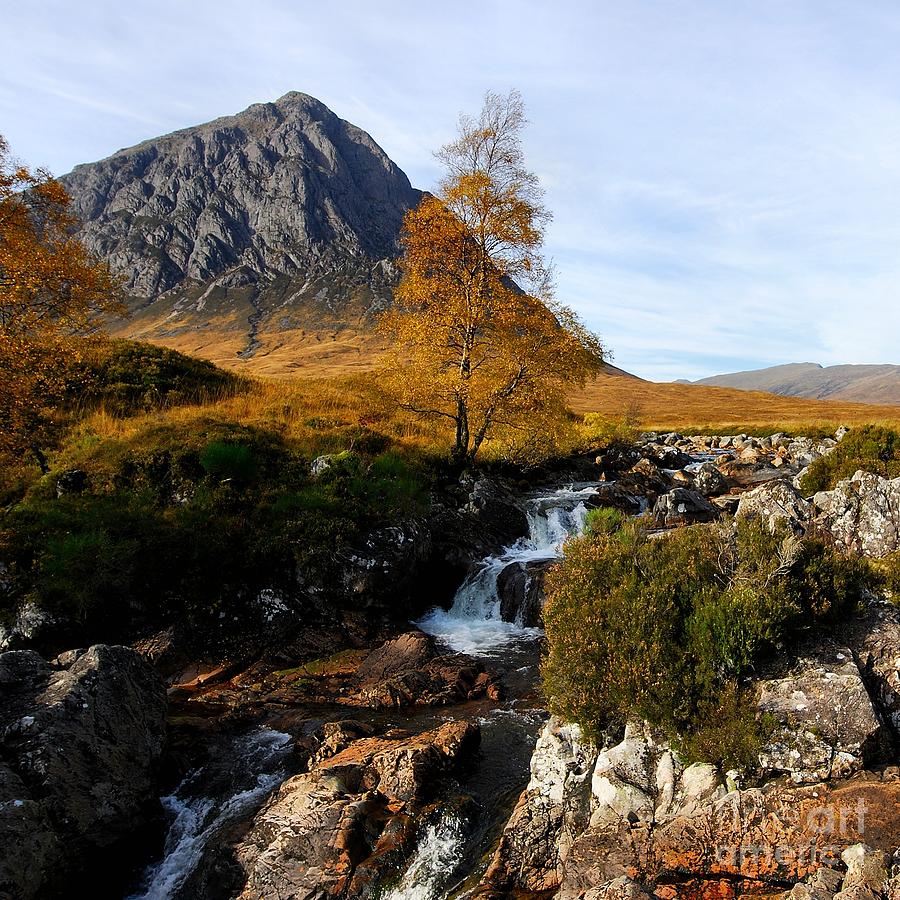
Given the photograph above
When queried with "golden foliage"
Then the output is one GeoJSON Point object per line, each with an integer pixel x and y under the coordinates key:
{"type": "Point", "coordinates": [478, 338]}
{"type": "Point", "coordinates": [51, 294]}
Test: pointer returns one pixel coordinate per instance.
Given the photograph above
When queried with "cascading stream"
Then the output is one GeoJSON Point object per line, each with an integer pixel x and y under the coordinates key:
{"type": "Point", "coordinates": [473, 624]}
{"type": "Point", "coordinates": [198, 817]}
{"type": "Point", "coordinates": [434, 863]}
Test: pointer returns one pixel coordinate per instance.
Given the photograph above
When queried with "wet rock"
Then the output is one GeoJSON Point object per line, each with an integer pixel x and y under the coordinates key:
{"type": "Point", "coordinates": [337, 830]}
{"type": "Point", "coordinates": [826, 725]}
{"type": "Point", "coordinates": [683, 507]}
{"type": "Point", "coordinates": [863, 513]}
{"type": "Point", "coordinates": [79, 744]}
{"type": "Point", "coordinates": [775, 503]}
{"type": "Point", "coordinates": [550, 814]}
{"type": "Point", "coordinates": [409, 671]}
{"type": "Point", "coordinates": [666, 455]}
{"type": "Point", "coordinates": [520, 587]}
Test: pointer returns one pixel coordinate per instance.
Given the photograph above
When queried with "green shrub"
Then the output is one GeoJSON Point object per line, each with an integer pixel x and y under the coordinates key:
{"type": "Point", "coordinates": [663, 628]}
{"type": "Point", "coordinates": [872, 448]}
{"type": "Point", "coordinates": [228, 462]}
{"type": "Point", "coordinates": [604, 520]}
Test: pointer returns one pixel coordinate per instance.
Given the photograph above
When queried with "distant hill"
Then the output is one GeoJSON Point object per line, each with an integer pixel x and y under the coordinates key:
{"type": "Point", "coordinates": [855, 384]}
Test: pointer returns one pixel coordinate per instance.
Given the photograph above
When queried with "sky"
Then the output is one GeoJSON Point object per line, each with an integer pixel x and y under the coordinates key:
{"type": "Point", "coordinates": [724, 176]}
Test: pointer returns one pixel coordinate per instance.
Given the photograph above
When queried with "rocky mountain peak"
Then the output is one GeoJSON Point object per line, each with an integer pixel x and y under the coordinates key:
{"type": "Point", "coordinates": [282, 188]}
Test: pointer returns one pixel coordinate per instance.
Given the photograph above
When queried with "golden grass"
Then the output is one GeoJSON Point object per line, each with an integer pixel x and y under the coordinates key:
{"type": "Point", "coordinates": [699, 408]}
{"type": "Point", "coordinates": [317, 389]}
{"type": "Point", "coordinates": [313, 414]}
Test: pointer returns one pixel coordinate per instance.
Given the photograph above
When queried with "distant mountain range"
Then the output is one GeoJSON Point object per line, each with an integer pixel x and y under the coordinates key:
{"type": "Point", "coordinates": [862, 384]}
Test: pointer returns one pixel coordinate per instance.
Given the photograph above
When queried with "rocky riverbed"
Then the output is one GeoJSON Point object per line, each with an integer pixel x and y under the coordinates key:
{"type": "Point", "coordinates": [367, 756]}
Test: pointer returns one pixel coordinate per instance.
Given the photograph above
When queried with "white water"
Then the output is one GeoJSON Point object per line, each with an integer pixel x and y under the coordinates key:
{"type": "Point", "coordinates": [198, 819]}
{"type": "Point", "coordinates": [473, 624]}
{"type": "Point", "coordinates": [437, 856]}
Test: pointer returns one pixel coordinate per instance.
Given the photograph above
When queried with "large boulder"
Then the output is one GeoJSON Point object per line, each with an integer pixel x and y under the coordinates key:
{"type": "Point", "coordinates": [553, 810]}
{"type": "Point", "coordinates": [340, 829]}
{"type": "Point", "coordinates": [709, 480]}
{"type": "Point", "coordinates": [863, 513]}
{"type": "Point", "coordinates": [410, 671]}
{"type": "Point", "coordinates": [775, 503]}
{"type": "Point", "coordinates": [520, 587]}
{"type": "Point", "coordinates": [825, 725]}
{"type": "Point", "coordinates": [80, 740]}
{"type": "Point", "coordinates": [682, 506]}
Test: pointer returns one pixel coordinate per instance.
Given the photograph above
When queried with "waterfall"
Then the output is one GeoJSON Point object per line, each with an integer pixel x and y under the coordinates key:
{"type": "Point", "coordinates": [473, 624]}
{"type": "Point", "coordinates": [434, 862]}
{"type": "Point", "coordinates": [198, 819]}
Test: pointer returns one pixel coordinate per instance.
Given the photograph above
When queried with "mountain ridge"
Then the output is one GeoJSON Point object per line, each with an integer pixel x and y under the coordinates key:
{"type": "Point", "coordinates": [867, 383]}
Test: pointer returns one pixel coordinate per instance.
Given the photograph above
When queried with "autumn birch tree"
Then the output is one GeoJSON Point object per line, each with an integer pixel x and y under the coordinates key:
{"type": "Point", "coordinates": [52, 294]}
{"type": "Point", "coordinates": [478, 339]}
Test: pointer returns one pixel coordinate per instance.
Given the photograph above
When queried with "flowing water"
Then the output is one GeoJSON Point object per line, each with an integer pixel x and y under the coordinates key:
{"type": "Point", "coordinates": [229, 788]}
{"type": "Point", "coordinates": [473, 624]}
{"type": "Point", "coordinates": [254, 767]}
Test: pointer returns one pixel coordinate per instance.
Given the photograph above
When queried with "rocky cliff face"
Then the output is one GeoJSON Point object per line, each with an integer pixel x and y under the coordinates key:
{"type": "Point", "coordinates": [281, 217]}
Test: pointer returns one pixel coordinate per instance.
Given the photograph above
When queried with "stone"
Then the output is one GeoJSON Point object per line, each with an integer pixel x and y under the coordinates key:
{"type": "Point", "coordinates": [79, 745]}
{"type": "Point", "coordinates": [709, 481]}
{"type": "Point", "coordinates": [409, 671]}
{"type": "Point", "coordinates": [552, 811]}
{"type": "Point", "coordinates": [520, 587]}
{"type": "Point", "coordinates": [826, 725]}
{"type": "Point", "coordinates": [681, 506]}
{"type": "Point", "coordinates": [339, 829]}
{"type": "Point", "coordinates": [863, 513]}
{"type": "Point", "coordinates": [775, 503]}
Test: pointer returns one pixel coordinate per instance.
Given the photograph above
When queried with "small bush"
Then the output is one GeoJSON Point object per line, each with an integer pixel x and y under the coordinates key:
{"type": "Point", "coordinates": [872, 448]}
{"type": "Point", "coordinates": [233, 462]}
{"type": "Point", "coordinates": [604, 520]}
{"type": "Point", "coordinates": [126, 377]}
{"type": "Point", "coordinates": [663, 628]}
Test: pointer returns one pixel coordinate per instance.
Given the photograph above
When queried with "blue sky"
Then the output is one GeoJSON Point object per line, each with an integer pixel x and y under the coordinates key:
{"type": "Point", "coordinates": [724, 176]}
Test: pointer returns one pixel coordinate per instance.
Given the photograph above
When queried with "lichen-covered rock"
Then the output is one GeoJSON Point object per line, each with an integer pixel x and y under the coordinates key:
{"type": "Point", "coordinates": [863, 513]}
{"type": "Point", "coordinates": [79, 743]}
{"type": "Point", "coordinates": [709, 480]}
{"type": "Point", "coordinates": [826, 726]}
{"type": "Point", "coordinates": [550, 814]}
{"type": "Point", "coordinates": [682, 506]}
{"type": "Point", "coordinates": [775, 503]}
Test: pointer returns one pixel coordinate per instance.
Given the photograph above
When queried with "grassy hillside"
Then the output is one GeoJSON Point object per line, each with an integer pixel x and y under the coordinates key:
{"type": "Point", "coordinates": [322, 356]}
{"type": "Point", "coordinates": [698, 408]}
